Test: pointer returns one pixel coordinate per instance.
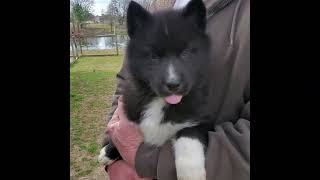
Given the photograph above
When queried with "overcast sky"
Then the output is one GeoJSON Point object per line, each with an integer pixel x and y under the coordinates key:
{"type": "Point", "coordinates": [99, 5]}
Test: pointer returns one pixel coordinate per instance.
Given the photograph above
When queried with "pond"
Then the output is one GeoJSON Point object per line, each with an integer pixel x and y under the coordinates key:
{"type": "Point", "coordinates": [100, 43]}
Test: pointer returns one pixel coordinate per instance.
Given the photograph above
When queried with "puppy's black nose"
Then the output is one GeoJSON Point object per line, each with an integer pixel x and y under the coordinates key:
{"type": "Point", "coordinates": [173, 86]}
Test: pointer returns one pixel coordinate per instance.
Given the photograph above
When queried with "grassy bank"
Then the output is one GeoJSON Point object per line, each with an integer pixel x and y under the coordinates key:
{"type": "Point", "coordinates": [92, 28]}
{"type": "Point", "coordinates": [101, 52]}
{"type": "Point", "coordinates": [92, 86]}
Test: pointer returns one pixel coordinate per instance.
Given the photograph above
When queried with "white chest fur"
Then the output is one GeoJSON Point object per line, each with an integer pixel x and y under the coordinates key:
{"type": "Point", "coordinates": [155, 132]}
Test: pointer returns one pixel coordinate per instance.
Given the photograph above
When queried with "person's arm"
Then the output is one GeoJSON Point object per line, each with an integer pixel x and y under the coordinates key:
{"type": "Point", "coordinates": [228, 153]}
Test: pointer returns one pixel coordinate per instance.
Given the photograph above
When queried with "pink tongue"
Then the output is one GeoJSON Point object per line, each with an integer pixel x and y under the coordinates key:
{"type": "Point", "coordinates": [173, 99]}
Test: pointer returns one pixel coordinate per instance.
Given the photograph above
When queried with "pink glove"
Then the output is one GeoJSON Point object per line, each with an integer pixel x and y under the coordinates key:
{"type": "Point", "coordinates": [125, 135]}
{"type": "Point", "coordinates": [121, 170]}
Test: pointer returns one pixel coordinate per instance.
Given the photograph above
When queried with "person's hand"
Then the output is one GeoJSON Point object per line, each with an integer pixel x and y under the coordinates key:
{"type": "Point", "coordinates": [124, 134]}
{"type": "Point", "coordinates": [121, 170]}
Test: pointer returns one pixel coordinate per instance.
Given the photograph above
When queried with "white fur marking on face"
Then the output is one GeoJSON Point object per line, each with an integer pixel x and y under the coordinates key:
{"type": "Point", "coordinates": [189, 159]}
{"type": "Point", "coordinates": [103, 159]}
{"type": "Point", "coordinates": [172, 75]}
{"type": "Point", "coordinates": [155, 132]}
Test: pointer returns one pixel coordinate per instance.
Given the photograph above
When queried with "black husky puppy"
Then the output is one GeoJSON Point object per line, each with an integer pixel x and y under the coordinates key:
{"type": "Point", "coordinates": [167, 90]}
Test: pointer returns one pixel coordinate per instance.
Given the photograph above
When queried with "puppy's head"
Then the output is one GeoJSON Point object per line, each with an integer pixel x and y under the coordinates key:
{"type": "Point", "coordinates": [168, 50]}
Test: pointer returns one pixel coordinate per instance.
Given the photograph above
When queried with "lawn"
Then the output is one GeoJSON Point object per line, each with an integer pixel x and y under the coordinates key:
{"type": "Point", "coordinates": [120, 29]}
{"type": "Point", "coordinates": [102, 52]}
{"type": "Point", "coordinates": [92, 86]}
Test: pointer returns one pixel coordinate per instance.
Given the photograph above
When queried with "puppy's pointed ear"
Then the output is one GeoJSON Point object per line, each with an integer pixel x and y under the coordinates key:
{"type": "Point", "coordinates": [196, 10]}
{"type": "Point", "coordinates": [137, 17]}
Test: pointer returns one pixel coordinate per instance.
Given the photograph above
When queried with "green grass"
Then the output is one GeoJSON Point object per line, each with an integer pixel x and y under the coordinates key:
{"type": "Point", "coordinates": [93, 81]}
{"type": "Point", "coordinates": [120, 29]}
{"type": "Point", "coordinates": [101, 52]}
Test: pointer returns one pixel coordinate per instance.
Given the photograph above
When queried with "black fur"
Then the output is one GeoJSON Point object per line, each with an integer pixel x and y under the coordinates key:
{"type": "Point", "coordinates": [177, 37]}
{"type": "Point", "coordinates": [112, 151]}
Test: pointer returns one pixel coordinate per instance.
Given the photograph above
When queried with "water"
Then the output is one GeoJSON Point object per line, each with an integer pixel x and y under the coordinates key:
{"type": "Point", "coordinates": [100, 43]}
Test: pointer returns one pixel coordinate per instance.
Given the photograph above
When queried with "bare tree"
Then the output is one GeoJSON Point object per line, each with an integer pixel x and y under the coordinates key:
{"type": "Point", "coordinates": [145, 3]}
{"type": "Point", "coordinates": [118, 10]}
{"type": "Point", "coordinates": [161, 4]}
{"type": "Point", "coordinates": [123, 10]}
{"type": "Point", "coordinates": [113, 12]}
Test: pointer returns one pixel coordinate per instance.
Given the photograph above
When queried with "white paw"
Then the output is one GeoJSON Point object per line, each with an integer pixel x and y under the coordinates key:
{"type": "Point", "coordinates": [186, 172]}
{"type": "Point", "coordinates": [103, 159]}
{"type": "Point", "coordinates": [189, 159]}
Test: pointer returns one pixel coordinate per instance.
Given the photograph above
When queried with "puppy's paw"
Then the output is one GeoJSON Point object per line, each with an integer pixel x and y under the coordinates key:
{"type": "Point", "coordinates": [189, 159]}
{"type": "Point", "coordinates": [190, 172]}
{"type": "Point", "coordinates": [103, 158]}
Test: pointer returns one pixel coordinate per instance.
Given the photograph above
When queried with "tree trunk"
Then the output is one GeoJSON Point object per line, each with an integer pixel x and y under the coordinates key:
{"type": "Point", "coordinates": [79, 38]}
{"type": "Point", "coordinates": [111, 24]}
{"type": "Point", "coordinates": [73, 26]}
{"type": "Point", "coordinates": [78, 27]}
{"type": "Point", "coordinates": [80, 45]}
{"type": "Point", "coordinates": [73, 52]}
{"type": "Point", "coordinates": [75, 45]}
{"type": "Point", "coordinates": [117, 48]}
{"type": "Point", "coordinates": [122, 20]}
